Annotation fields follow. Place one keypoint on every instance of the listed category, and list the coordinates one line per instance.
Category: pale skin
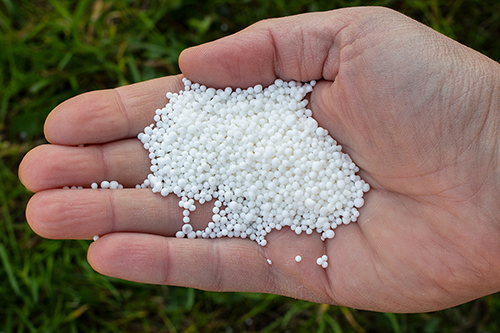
(417, 112)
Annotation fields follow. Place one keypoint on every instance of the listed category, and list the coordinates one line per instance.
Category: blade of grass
(76, 313)
(10, 7)
(268, 299)
(6, 177)
(297, 307)
(24, 320)
(394, 322)
(136, 75)
(333, 324)
(350, 318)
(7, 265)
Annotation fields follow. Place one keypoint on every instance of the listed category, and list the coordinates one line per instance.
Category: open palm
(415, 110)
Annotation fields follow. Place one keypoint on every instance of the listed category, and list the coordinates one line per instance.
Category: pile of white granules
(259, 155)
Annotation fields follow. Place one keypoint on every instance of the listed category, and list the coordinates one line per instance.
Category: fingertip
(129, 256)
(79, 120)
(23, 171)
(96, 254)
(37, 218)
(28, 171)
(65, 214)
(29, 214)
(49, 133)
(52, 129)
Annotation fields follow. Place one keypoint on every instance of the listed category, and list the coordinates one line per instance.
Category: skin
(415, 110)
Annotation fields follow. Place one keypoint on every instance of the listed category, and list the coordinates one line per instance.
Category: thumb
(303, 47)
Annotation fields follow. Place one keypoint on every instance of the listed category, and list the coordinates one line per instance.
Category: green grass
(52, 50)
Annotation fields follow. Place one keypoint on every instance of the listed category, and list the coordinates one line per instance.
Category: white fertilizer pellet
(258, 155)
(269, 261)
(112, 185)
(96, 237)
(298, 258)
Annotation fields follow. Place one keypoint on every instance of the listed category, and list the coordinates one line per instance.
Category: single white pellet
(309, 203)
(187, 228)
(96, 237)
(269, 261)
(329, 234)
(359, 202)
(298, 258)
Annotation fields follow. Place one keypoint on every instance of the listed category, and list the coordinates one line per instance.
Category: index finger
(109, 115)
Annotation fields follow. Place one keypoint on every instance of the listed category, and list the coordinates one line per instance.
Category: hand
(416, 111)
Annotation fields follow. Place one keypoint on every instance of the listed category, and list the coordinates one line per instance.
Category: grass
(52, 50)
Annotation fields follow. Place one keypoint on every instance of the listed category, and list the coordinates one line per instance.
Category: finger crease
(123, 109)
(165, 265)
(112, 210)
(271, 283)
(217, 276)
(276, 60)
(103, 162)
